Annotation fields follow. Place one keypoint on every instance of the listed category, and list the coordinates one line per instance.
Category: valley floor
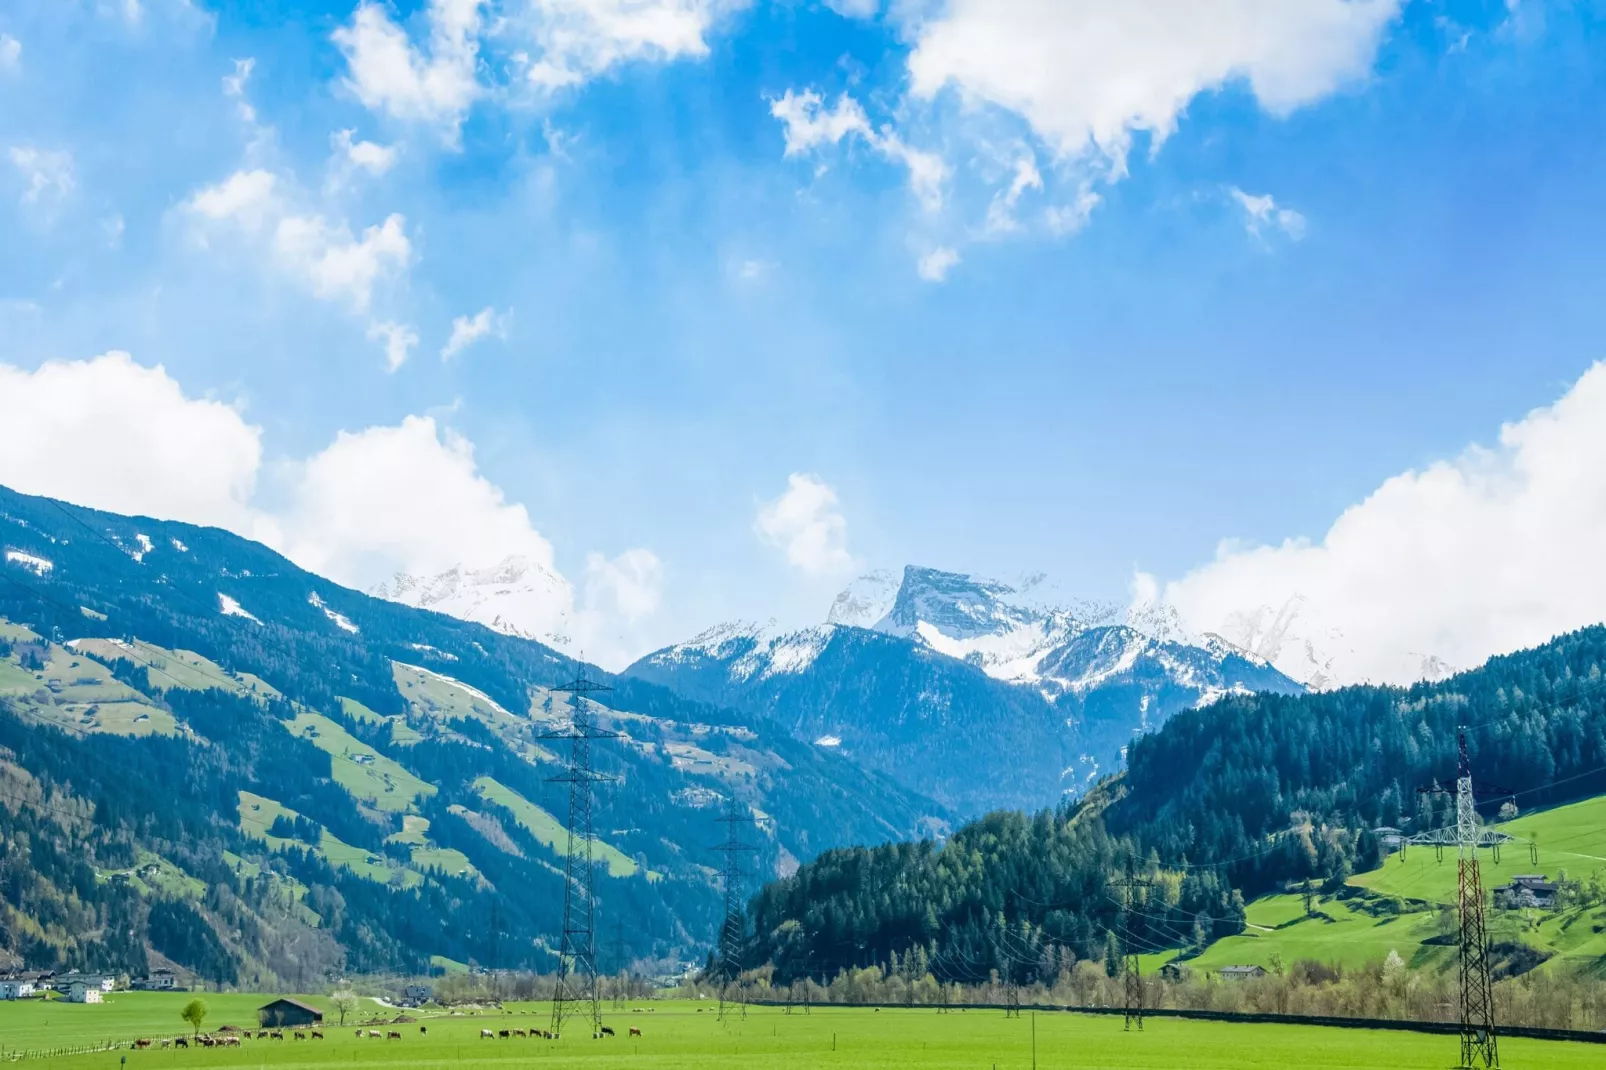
(682, 1035)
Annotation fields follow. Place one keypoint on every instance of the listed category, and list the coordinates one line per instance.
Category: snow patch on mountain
(230, 607)
(35, 564)
(145, 546)
(340, 620)
(865, 601)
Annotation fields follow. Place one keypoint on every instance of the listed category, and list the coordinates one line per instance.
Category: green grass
(79, 694)
(378, 780)
(179, 668)
(547, 829)
(445, 699)
(16, 633)
(426, 855)
(39, 1024)
(257, 814)
(676, 1036)
(1570, 839)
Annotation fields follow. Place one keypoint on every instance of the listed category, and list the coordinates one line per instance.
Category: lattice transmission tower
(1132, 974)
(732, 929)
(1480, 1049)
(576, 991)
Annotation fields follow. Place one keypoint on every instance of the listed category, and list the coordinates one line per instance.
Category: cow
(180, 1042)
(635, 1032)
(373, 1034)
(486, 1034)
(392, 1035)
(607, 1031)
(317, 1035)
(142, 1042)
(167, 1042)
(502, 1033)
(231, 1042)
(262, 1034)
(299, 1035)
(519, 1033)
(423, 1029)
(359, 1033)
(277, 1034)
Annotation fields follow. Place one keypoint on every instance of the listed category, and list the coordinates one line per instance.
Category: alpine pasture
(687, 1035)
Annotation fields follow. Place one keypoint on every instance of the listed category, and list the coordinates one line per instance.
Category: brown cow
(635, 1032)
(518, 1032)
(316, 1035)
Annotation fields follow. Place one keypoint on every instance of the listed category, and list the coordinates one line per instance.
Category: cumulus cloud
(111, 434)
(436, 85)
(807, 125)
(1262, 214)
(935, 265)
(466, 330)
(575, 40)
(1089, 74)
(47, 176)
(807, 524)
(323, 256)
(1495, 550)
(10, 52)
(356, 155)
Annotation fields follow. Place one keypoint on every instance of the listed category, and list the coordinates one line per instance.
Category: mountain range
(976, 691)
(213, 759)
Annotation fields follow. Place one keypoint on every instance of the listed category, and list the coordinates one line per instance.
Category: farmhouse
(289, 1012)
(89, 980)
(85, 992)
(1527, 890)
(155, 981)
(16, 988)
(1241, 973)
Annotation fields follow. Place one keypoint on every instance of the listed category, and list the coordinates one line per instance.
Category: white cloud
(466, 330)
(368, 156)
(807, 524)
(935, 265)
(855, 9)
(404, 498)
(1262, 212)
(1025, 176)
(629, 586)
(387, 73)
(111, 434)
(47, 176)
(1072, 217)
(575, 40)
(398, 339)
(338, 266)
(10, 52)
(1088, 74)
(1493, 551)
(809, 125)
(234, 86)
(246, 197)
(324, 257)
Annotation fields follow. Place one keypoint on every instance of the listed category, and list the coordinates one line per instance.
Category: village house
(1241, 973)
(155, 981)
(92, 980)
(1527, 890)
(85, 992)
(16, 988)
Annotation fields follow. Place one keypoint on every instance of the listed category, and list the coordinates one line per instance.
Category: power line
(577, 948)
(1132, 989)
(732, 928)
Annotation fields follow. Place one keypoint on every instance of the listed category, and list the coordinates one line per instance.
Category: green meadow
(681, 1035)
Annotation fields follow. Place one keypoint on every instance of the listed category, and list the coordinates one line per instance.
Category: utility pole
(1479, 1047)
(1132, 990)
(731, 930)
(576, 991)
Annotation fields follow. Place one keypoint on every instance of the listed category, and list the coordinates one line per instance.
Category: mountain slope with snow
(978, 691)
(517, 596)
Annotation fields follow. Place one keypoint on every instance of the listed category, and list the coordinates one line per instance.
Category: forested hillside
(1218, 805)
(211, 758)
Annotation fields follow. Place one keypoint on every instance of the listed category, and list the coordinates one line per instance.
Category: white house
(85, 992)
(16, 988)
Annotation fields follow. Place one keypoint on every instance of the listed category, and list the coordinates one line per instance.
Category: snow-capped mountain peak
(516, 596)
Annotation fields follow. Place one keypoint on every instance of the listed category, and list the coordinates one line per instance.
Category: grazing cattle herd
(227, 1037)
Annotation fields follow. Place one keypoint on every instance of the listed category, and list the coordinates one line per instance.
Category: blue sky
(1009, 286)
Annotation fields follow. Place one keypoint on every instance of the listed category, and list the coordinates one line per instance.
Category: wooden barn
(283, 1012)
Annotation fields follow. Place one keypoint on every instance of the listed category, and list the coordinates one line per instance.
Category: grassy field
(80, 695)
(257, 814)
(547, 829)
(357, 767)
(1571, 839)
(676, 1036)
(179, 668)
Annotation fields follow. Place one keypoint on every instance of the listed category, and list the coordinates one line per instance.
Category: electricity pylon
(1479, 1048)
(731, 930)
(1132, 989)
(577, 951)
